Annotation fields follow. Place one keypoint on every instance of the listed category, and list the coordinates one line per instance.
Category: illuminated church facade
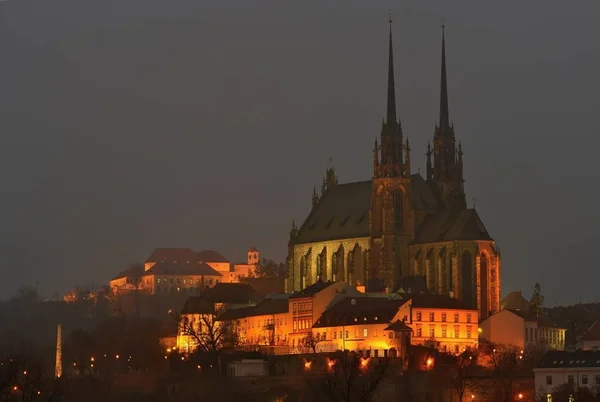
(376, 233)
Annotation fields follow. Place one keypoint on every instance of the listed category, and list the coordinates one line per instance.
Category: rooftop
(593, 332)
(437, 301)
(192, 268)
(312, 289)
(172, 255)
(359, 310)
(265, 307)
(210, 256)
(561, 359)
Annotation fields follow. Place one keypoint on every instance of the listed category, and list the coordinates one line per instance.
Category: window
(365, 332)
(375, 333)
(455, 317)
(469, 317)
(548, 380)
(431, 316)
(431, 331)
(295, 324)
(419, 332)
(334, 334)
(584, 379)
(456, 331)
(356, 333)
(294, 307)
(346, 334)
(443, 317)
(391, 335)
(571, 380)
(444, 332)
(418, 316)
(468, 332)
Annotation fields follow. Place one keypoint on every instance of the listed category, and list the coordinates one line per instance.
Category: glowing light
(168, 350)
(199, 367)
(92, 365)
(307, 365)
(429, 362)
(479, 330)
(330, 364)
(165, 357)
(25, 372)
(15, 388)
(92, 358)
(39, 392)
(117, 356)
(364, 362)
(472, 396)
(520, 396)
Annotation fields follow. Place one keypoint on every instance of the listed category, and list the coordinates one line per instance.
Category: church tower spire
(447, 163)
(391, 162)
(444, 113)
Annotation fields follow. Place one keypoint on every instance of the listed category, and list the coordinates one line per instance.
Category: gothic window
(483, 277)
(443, 274)
(398, 210)
(450, 272)
(377, 212)
(302, 272)
(466, 279)
(357, 257)
(431, 280)
(322, 265)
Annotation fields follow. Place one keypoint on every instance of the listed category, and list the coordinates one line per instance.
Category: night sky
(130, 125)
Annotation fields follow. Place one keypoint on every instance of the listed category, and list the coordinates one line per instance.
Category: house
(441, 322)
(519, 329)
(559, 368)
(308, 305)
(199, 316)
(368, 325)
(267, 323)
(591, 337)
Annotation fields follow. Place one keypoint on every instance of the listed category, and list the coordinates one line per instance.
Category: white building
(557, 368)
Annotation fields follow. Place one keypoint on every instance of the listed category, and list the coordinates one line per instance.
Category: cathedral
(376, 233)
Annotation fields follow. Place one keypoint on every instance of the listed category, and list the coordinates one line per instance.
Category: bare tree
(348, 377)
(209, 334)
(461, 372)
(312, 341)
(504, 362)
(23, 379)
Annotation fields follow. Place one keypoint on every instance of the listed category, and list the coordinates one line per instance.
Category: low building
(440, 322)
(367, 325)
(591, 337)
(571, 370)
(522, 330)
(199, 317)
(247, 368)
(246, 269)
(308, 305)
(268, 323)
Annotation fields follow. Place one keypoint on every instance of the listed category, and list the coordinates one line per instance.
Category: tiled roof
(359, 310)
(264, 286)
(312, 289)
(197, 305)
(210, 256)
(445, 226)
(561, 359)
(131, 272)
(437, 301)
(343, 210)
(182, 268)
(412, 285)
(398, 326)
(593, 332)
(235, 293)
(265, 307)
(172, 255)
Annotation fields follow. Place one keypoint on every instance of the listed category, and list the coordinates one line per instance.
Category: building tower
(58, 363)
(445, 174)
(391, 218)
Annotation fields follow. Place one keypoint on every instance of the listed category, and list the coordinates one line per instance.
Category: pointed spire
(444, 113)
(315, 197)
(376, 160)
(391, 100)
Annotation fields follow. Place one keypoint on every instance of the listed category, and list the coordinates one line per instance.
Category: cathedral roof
(445, 226)
(343, 211)
(172, 254)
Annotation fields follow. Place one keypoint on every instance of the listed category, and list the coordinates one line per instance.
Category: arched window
(431, 272)
(466, 279)
(398, 210)
(450, 271)
(302, 272)
(483, 278)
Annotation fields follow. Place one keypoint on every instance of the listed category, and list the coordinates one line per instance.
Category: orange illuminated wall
(448, 330)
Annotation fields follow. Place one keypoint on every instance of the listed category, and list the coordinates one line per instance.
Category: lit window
(444, 332)
(443, 317)
(469, 317)
(431, 331)
(419, 332)
(365, 333)
(455, 317)
(418, 316)
(431, 316)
